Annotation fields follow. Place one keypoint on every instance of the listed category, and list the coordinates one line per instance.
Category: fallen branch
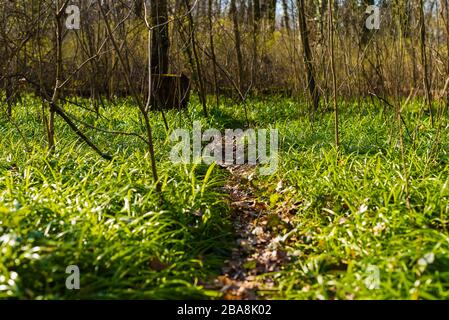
(73, 126)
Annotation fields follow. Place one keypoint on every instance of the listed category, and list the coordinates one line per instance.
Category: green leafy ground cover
(347, 210)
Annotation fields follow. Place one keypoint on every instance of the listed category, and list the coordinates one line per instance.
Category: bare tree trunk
(365, 32)
(271, 8)
(161, 42)
(427, 92)
(307, 55)
(238, 44)
(59, 11)
(140, 104)
(286, 17)
(88, 43)
(334, 78)
(446, 24)
(255, 34)
(322, 9)
(202, 92)
(212, 52)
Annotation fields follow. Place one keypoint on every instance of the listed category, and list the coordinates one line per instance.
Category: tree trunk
(161, 43)
(307, 55)
(286, 17)
(212, 51)
(238, 45)
(334, 78)
(365, 31)
(143, 110)
(59, 11)
(255, 34)
(426, 81)
(446, 24)
(202, 91)
(272, 15)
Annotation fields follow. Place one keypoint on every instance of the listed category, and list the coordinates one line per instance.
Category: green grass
(105, 217)
(348, 209)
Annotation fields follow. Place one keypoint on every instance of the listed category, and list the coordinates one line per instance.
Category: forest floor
(327, 224)
(257, 253)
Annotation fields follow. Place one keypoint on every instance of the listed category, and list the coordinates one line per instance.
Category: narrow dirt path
(246, 275)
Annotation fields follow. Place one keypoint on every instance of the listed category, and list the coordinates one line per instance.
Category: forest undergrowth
(318, 228)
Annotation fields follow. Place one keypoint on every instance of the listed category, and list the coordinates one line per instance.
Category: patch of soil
(257, 253)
